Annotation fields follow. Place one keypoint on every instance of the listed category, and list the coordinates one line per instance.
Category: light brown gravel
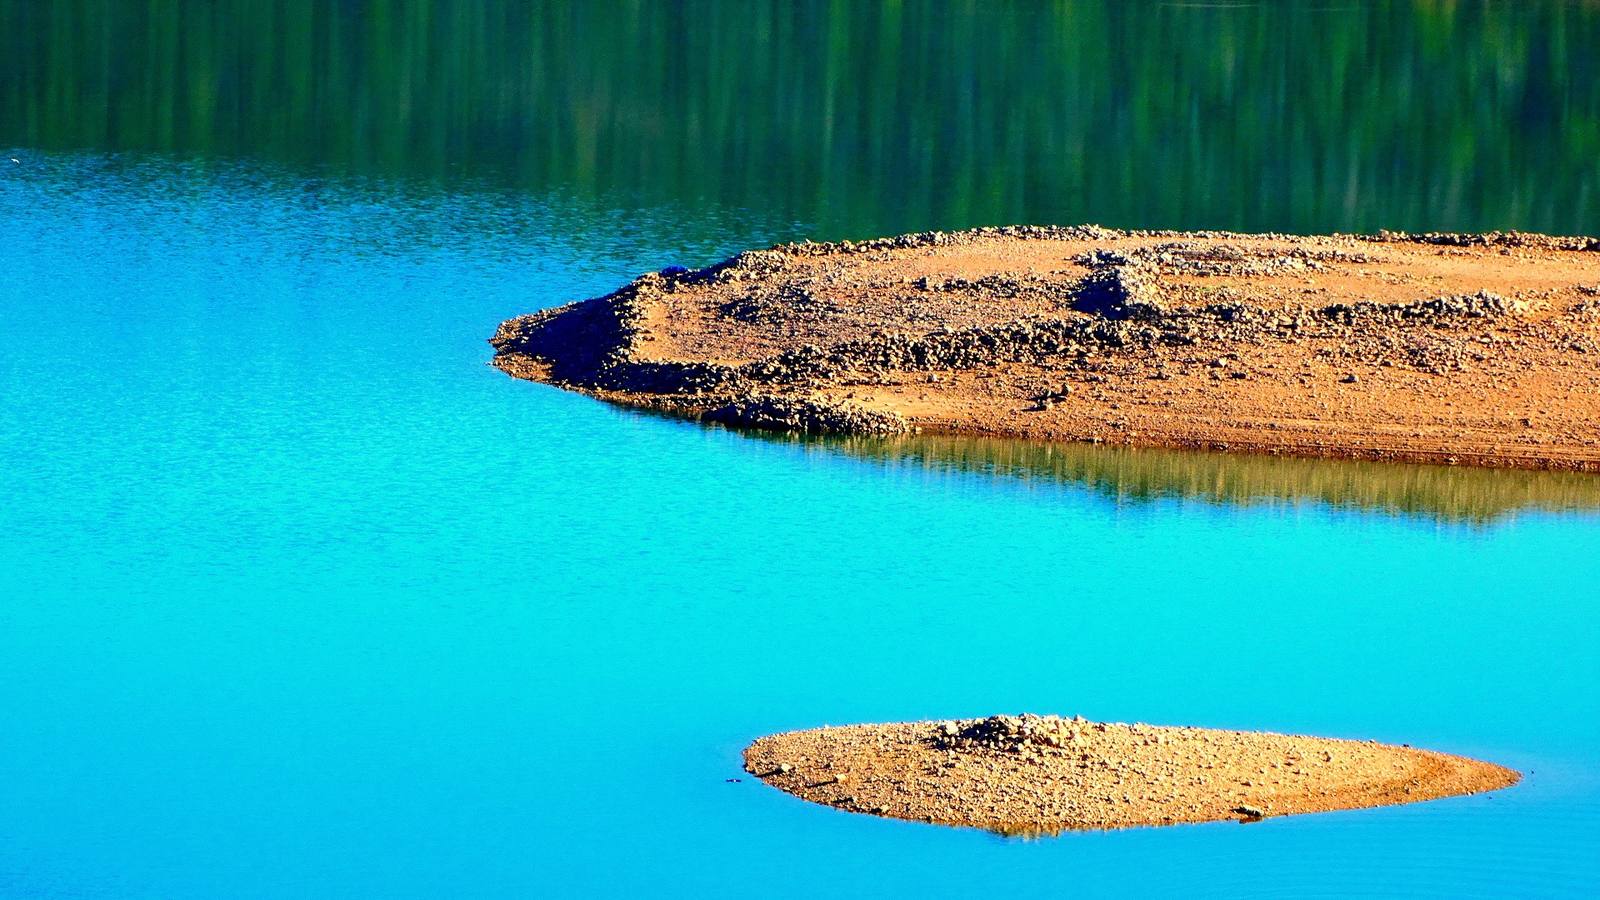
(1471, 349)
(1043, 774)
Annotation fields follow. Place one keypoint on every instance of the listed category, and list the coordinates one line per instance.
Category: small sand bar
(1044, 774)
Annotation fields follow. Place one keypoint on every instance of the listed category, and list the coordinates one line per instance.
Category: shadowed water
(865, 118)
(298, 597)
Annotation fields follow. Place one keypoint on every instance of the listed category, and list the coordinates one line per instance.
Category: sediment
(1046, 774)
(1458, 348)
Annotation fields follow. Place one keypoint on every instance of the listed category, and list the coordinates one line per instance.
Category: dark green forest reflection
(1443, 493)
(862, 117)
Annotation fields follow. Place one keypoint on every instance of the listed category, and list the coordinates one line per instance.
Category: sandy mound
(1480, 349)
(1042, 774)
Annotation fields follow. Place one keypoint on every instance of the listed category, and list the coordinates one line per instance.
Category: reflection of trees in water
(865, 118)
(1440, 492)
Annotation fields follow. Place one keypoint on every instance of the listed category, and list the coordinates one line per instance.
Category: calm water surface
(300, 598)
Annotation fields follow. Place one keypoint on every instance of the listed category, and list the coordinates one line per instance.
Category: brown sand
(1477, 349)
(1044, 774)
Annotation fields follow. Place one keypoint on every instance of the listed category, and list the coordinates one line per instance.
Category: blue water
(298, 597)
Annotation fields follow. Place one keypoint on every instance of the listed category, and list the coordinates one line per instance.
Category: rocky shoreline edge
(1416, 349)
(1036, 775)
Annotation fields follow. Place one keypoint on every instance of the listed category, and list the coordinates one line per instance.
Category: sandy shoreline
(1460, 349)
(1045, 774)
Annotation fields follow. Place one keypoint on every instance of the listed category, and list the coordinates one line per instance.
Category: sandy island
(1044, 774)
(1456, 348)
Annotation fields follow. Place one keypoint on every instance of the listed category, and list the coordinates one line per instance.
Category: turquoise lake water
(299, 598)
(302, 598)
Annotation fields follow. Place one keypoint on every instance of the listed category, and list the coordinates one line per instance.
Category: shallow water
(300, 598)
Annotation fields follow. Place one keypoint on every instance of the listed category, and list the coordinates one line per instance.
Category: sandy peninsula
(1044, 774)
(1479, 349)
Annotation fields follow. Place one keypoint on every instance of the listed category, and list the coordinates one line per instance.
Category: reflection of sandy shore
(1454, 493)
(1470, 349)
(1032, 774)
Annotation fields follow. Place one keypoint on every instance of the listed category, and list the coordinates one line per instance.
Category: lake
(298, 597)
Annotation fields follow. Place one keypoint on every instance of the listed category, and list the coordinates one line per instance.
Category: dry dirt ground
(1472, 349)
(1044, 774)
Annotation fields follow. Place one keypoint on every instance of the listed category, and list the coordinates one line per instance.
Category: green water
(864, 118)
(300, 598)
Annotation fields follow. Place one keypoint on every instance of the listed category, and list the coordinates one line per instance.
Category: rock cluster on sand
(1042, 774)
(1480, 349)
